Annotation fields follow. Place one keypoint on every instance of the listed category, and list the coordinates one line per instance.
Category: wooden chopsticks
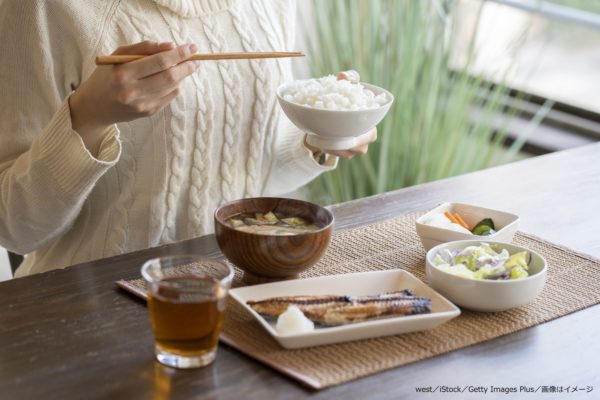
(120, 59)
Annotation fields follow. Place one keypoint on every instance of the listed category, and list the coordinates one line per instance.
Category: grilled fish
(339, 309)
(276, 305)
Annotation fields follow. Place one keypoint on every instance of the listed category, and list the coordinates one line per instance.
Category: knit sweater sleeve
(294, 164)
(46, 172)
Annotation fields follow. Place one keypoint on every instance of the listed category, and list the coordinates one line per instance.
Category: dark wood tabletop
(71, 334)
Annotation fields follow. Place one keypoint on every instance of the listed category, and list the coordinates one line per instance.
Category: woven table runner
(572, 285)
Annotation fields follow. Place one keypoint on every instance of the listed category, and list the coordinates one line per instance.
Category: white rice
(328, 93)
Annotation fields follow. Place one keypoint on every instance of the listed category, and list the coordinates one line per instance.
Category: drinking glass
(186, 303)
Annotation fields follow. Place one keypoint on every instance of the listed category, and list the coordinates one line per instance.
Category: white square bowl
(506, 225)
(357, 284)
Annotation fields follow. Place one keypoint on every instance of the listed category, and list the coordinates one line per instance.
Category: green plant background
(430, 133)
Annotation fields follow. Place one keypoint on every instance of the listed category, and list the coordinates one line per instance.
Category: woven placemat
(572, 285)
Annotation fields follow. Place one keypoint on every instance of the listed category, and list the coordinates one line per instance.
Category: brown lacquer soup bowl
(270, 257)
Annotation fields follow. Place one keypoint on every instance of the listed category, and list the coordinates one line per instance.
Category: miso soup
(271, 224)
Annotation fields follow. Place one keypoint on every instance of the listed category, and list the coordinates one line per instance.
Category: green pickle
(485, 227)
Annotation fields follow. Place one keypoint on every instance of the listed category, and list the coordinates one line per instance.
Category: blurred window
(547, 48)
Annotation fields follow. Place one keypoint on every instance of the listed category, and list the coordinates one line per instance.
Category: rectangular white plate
(363, 283)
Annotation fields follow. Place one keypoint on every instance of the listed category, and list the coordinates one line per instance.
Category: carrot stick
(461, 221)
(450, 217)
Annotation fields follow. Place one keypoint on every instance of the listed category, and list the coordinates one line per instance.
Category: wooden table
(70, 334)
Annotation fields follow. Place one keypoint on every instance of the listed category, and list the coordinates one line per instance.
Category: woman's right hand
(118, 93)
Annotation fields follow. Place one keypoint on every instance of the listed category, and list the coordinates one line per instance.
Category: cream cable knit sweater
(155, 180)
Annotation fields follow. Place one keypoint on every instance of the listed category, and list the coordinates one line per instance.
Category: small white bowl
(506, 224)
(482, 294)
(333, 129)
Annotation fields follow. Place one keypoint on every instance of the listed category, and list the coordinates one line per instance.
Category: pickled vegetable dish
(483, 262)
(271, 223)
(485, 227)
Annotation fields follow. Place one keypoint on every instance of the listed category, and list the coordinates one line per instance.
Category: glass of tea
(186, 302)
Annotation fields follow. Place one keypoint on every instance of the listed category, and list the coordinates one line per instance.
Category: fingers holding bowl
(360, 148)
(349, 75)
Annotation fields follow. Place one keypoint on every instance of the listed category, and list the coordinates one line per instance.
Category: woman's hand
(129, 91)
(362, 146)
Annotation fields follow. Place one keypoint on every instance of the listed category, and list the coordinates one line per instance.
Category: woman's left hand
(360, 149)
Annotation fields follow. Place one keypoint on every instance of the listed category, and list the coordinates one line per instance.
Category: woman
(101, 161)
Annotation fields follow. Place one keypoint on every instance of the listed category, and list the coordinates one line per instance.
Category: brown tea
(187, 315)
